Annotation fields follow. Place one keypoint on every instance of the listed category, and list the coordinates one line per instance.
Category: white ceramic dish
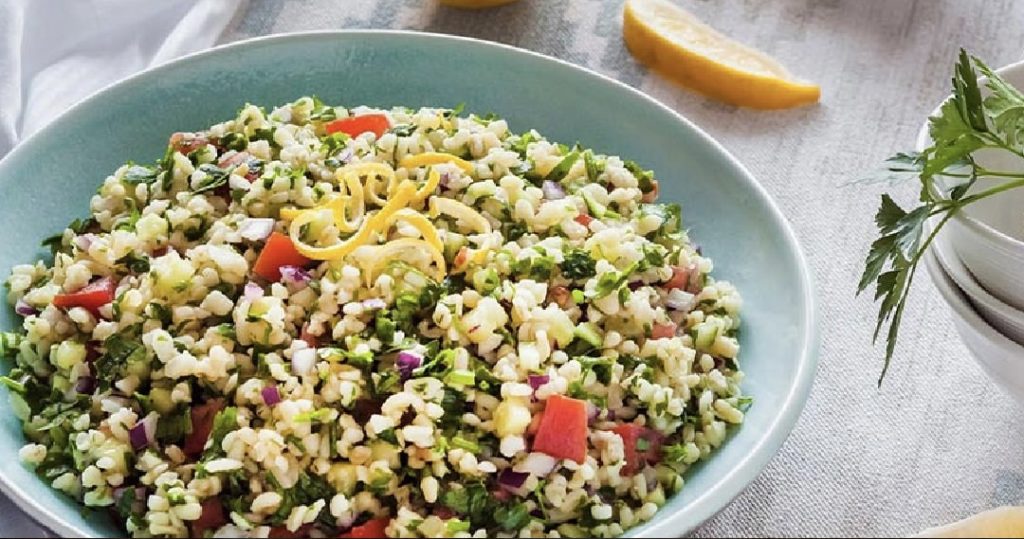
(1003, 317)
(1000, 358)
(988, 236)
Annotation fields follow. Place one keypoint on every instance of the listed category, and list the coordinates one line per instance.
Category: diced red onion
(538, 464)
(24, 309)
(511, 479)
(253, 291)
(256, 228)
(84, 241)
(271, 395)
(537, 380)
(679, 300)
(552, 191)
(445, 178)
(303, 361)
(592, 411)
(374, 303)
(344, 156)
(295, 275)
(85, 384)
(144, 432)
(406, 363)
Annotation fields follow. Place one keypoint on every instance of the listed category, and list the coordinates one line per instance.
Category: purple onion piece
(253, 291)
(295, 275)
(374, 303)
(84, 241)
(406, 363)
(445, 178)
(271, 395)
(344, 156)
(24, 309)
(552, 191)
(138, 436)
(512, 480)
(537, 380)
(85, 385)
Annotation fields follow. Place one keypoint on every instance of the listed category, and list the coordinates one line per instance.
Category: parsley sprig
(966, 124)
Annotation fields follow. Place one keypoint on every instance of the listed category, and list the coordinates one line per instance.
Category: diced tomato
(202, 424)
(369, 529)
(640, 444)
(563, 430)
(651, 196)
(584, 219)
(91, 297)
(353, 127)
(461, 258)
(443, 512)
(236, 158)
(187, 143)
(310, 339)
(279, 251)
(663, 331)
(281, 532)
(680, 278)
(211, 518)
(534, 426)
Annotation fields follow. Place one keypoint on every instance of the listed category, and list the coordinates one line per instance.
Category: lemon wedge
(475, 4)
(675, 43)
(1000, 522)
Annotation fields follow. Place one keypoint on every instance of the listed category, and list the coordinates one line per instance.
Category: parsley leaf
(965, 124)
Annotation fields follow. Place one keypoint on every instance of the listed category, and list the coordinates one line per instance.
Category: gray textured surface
(938, 441)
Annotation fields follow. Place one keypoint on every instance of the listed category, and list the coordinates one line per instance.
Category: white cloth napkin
(53, 53)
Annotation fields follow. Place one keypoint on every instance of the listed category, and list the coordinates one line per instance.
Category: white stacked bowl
(977, 264)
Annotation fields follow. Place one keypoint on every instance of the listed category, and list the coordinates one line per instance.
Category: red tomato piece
(91, 297)
(563, 430)
(461, 258)
(369, 529)
(187, 143)
(652, 195)
(355, 126)
(583, 219)
(279, 251)
(202, 424)
(640, 444)
(310, 339)
(663, 331)
(680, 278)
(211, 518)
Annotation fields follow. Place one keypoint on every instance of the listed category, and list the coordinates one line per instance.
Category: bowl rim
(960, 274)
(978, 227)
(706, 504)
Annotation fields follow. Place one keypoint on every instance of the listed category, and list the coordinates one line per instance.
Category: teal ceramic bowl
(47, 181)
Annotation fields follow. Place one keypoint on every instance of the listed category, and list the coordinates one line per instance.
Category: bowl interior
(48, 180)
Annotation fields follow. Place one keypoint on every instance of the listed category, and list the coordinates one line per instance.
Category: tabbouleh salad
(329, 322)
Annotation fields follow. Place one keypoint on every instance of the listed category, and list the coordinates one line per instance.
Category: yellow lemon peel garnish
(469, 217)
(435, 158)
(374, 223)
(340, 205)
